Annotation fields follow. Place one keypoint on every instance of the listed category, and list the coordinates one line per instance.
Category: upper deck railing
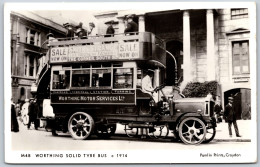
(104, 39)
(119, 47)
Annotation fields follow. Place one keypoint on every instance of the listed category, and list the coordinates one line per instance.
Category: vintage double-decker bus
(96, 83)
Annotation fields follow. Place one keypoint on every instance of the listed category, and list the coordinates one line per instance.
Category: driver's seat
(143, 102)
(141, 95)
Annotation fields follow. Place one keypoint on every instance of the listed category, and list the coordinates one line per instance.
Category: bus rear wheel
(80, 125)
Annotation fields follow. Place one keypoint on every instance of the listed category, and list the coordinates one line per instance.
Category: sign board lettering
(94, 97)
(80, 53)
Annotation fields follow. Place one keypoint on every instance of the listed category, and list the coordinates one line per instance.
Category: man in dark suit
(33, 111)
(230, 117)
(131, 25)
(110, 30)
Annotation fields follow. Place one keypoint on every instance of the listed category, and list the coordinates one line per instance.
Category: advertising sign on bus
(97, 52)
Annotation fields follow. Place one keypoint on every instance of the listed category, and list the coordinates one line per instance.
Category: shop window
(30, 65)
(239, 13)
(240, 57)
(123, 78)
(80, 78)
(139, 78)
(61, 79)
(101, 77)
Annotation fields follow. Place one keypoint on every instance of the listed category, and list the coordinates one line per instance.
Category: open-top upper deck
(120, 47)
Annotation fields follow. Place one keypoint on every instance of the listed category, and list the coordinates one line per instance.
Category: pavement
(244, 127)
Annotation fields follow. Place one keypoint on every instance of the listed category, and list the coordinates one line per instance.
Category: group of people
(79, 32)
(28, 113)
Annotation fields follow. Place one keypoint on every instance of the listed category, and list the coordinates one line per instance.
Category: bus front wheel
(80, 125)
(192, 131)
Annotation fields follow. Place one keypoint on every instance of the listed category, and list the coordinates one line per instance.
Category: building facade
(208, 44)
(28, 49)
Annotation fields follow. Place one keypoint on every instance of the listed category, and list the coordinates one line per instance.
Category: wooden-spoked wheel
(211, 132)
(131, 132)
(106, 130)
(161, 131)
(192, 131)
(80, 125)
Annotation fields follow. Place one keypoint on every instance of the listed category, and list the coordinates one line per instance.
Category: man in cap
(230, 117)
(110, 30)
(131, 26)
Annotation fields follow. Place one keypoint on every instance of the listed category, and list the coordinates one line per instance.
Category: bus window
(61, 79)
(80, 78)
(139, 78)
(123, 78)
(101, 77)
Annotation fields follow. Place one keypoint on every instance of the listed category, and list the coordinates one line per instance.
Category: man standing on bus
(110, 30)
(147, 86)
(70, 31)
(131, 25)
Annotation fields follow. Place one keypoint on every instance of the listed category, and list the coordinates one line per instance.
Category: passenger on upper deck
(147, 86)
(131, 25)
(50, 37)
(91, 31)
(110, 30)
(70, 31)
(80, 32)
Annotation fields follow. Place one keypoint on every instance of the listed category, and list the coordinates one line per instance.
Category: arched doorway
(242, 102)
(176, 48)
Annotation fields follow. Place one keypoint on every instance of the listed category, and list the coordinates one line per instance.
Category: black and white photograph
(121, 82)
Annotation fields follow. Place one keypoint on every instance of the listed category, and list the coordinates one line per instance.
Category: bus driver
(147, 86)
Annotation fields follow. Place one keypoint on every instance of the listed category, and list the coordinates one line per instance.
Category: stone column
(141, 20)
(211, 69)
(186, 47)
